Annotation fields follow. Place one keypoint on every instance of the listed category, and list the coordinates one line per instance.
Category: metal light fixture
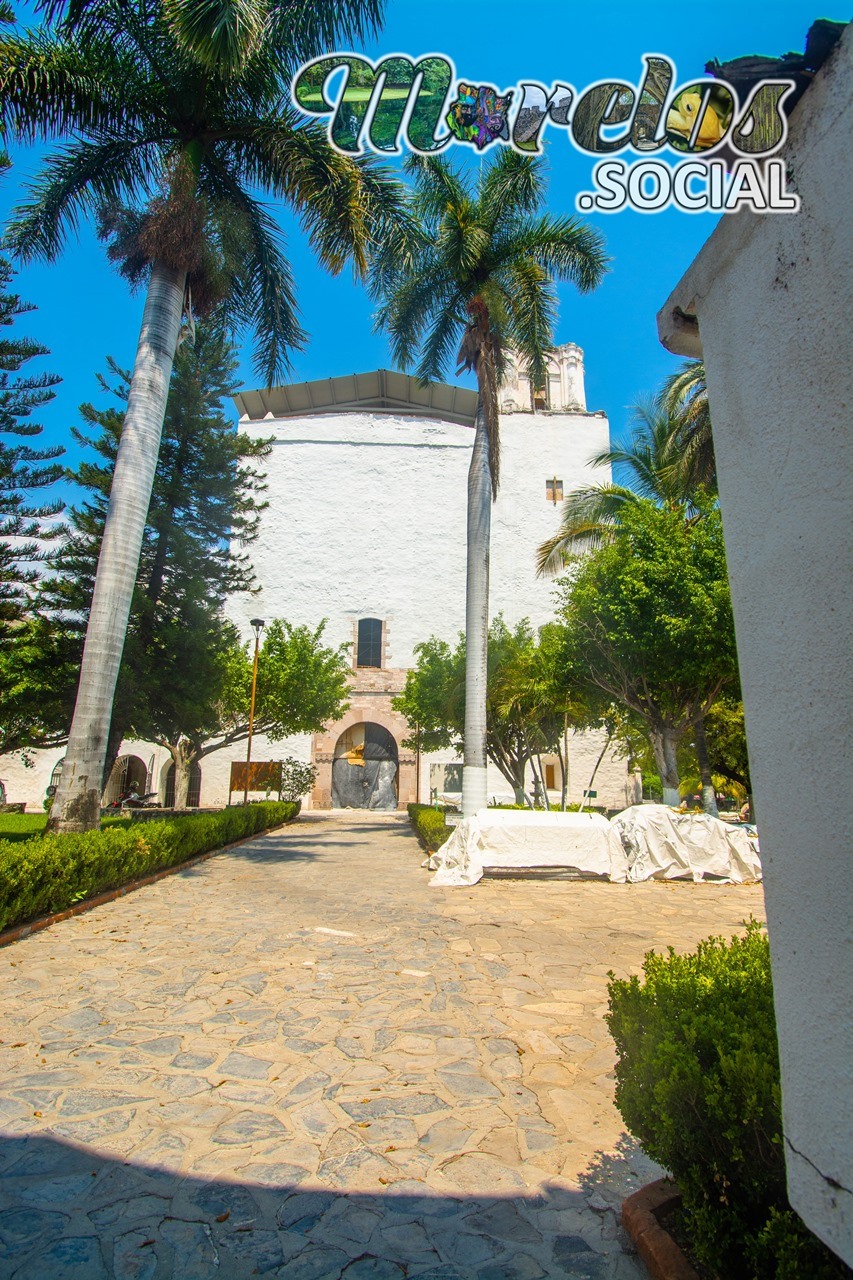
(258, 624)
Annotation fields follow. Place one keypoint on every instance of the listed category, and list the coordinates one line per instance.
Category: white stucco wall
(367, 519)
(773, 298)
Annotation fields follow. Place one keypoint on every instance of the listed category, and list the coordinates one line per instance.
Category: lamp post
(258, 624)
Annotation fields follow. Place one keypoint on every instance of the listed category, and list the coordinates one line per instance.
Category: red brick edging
(655, 1245)
(19, 931)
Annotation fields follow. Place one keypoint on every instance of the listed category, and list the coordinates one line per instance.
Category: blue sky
(85, 311)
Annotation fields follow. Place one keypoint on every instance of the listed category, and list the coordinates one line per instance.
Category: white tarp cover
(584, 844)
(662, 844)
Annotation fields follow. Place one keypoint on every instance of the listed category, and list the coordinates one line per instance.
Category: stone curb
(20, 931)
(653, 1242)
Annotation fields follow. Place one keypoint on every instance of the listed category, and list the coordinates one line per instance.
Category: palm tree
(684, 399)
(662, 473)
(591, 515)
(186, 143)
(479, 280)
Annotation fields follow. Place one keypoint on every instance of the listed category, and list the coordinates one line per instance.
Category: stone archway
(364, 768)
(128, 772)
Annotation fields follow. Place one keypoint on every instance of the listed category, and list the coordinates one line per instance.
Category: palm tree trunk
(76, 806)
(709, 798)
(474, 787)
(564, 766)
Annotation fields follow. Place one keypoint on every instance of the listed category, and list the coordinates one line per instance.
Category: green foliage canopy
(648, 618)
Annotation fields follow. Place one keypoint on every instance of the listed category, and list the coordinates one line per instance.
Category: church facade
(366, 528)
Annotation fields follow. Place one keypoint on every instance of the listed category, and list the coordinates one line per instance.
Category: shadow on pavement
(68, 1213)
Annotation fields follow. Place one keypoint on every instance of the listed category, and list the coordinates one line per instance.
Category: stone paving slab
(298, 1060)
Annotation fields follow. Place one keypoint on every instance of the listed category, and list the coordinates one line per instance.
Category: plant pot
(662, 1256)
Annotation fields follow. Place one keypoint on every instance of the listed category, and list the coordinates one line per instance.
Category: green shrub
(697, 1083)
(48, 873)
(429, 824)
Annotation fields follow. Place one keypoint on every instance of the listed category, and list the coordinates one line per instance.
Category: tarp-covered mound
(580, 844)
(661, 844)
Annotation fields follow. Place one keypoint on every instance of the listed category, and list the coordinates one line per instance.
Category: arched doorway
(364, 770)
(128, 772)
(194, 792)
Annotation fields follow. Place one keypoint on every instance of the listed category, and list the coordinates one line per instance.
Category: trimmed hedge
(697, 1083)
(429, 825)
(49, 873)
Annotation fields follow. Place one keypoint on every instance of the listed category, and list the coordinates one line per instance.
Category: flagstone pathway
(298, 1060)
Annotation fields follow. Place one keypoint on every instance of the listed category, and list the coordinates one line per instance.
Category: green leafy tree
(177, 117)
(726, 733)
(648, 620)
(476, 282)
(529, 702)
(663, 470)
(302, 685)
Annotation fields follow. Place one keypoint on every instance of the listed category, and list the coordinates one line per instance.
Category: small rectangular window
(554, 490)
(369, 652)
(549, 776)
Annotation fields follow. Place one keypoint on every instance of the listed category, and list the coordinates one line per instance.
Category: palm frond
(513, 185)
(407, 313)
(684, 399)
(262, 293)
(344, 203)
(50, 87)
(300, 31)
(437, 186)
(221, 35)
(589, 518)
(532, 303)
(565, 248)
(76, 181)
(442, 337)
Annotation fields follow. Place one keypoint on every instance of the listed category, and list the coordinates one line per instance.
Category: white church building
(367, 487)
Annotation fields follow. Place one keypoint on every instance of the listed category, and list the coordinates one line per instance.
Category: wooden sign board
(264, 775)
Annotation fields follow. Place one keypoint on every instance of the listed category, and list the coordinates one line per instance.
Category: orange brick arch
(370, 703)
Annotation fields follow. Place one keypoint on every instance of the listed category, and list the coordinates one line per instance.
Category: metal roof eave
(379, 391)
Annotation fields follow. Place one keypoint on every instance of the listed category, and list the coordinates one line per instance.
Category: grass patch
(42, 874)
(21, 826)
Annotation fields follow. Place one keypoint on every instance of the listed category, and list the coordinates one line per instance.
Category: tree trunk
(564, 766)
(664, 743)
(709, 799)
(545, 799)
(474, 787)
(184, 755)
(76, 806)
(114, 741)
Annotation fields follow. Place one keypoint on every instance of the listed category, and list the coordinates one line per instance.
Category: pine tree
(206, 501)
(26, 526)
(23, 468)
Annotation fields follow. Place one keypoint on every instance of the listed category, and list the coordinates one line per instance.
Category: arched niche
(364, 768)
